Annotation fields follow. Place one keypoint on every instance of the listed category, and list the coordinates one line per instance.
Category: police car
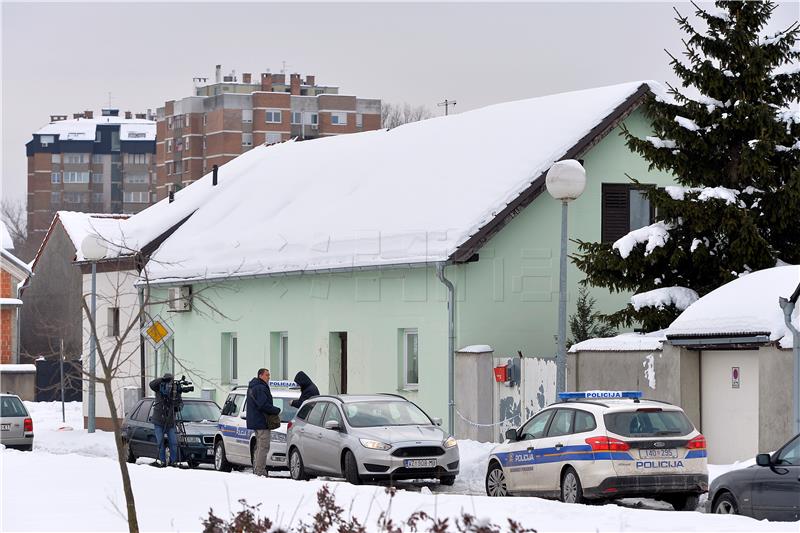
(602, 445)
(234, 444)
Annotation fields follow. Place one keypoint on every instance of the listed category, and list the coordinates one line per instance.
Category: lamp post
(565, 181)
(93, 249)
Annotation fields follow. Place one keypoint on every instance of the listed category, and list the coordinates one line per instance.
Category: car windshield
(11, 406)
(199, 411)
(287, 411)
(647, 423)
(388, 413)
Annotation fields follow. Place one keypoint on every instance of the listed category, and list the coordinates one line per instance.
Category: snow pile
(655, 235)
(687, 123)
(624, 342)
(649, 365)
(137, 131)
(729, 196)
(473, 464)
(661, 143)
(411, 194)
(748, 304)
(54, 436)
(79, 225)
(680, 297)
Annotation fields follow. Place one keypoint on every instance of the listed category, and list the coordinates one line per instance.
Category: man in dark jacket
(164, 408)
(259, 405)
(307, 389)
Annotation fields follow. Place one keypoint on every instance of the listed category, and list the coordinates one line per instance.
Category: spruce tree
(730, 137)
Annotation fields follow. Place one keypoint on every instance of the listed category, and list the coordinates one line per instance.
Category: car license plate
(5, 427)
(668, 453)
(419, 463)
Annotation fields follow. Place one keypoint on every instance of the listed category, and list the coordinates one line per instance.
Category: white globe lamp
(566, 180)
(93, 247)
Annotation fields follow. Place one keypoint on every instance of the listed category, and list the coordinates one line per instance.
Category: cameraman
(168, 401)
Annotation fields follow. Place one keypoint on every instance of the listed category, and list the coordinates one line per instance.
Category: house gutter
(451, 344)
(788, 306)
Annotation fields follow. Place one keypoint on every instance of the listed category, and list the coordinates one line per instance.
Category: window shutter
(615, 211)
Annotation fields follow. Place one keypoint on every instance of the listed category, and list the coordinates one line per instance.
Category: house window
(113, 322)
(115, 141)
(55, 197)
(247, 139)
(297, 117)
(97, 198)
(76, 177)
(284, 355)
(339, 119)
(97, 177)
(272, 138)
(247, 116)
(136, 197)
(75, 159)
(55, 158)
(410, 359)
(272, 116)
(169, 145)
(234, 357)
(97, 136)
(46, 140)
(136, 159)
(55, 177)
(97, 159)
(170, 123)
(624, 208)
(205, 119)
(135, 178)
(359, 120)
(72, 197)
(312, 118)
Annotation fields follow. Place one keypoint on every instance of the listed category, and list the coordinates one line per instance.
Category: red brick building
(228, 117)
(13, 273)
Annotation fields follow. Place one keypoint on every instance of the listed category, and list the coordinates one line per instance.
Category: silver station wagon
(369, 438)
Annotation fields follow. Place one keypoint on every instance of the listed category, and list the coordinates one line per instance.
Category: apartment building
(98, 165)
(228, 117)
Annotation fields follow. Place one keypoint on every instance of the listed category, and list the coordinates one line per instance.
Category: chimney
(77, 115)
(295, 84)
(128, 115)
(266, 82)
(218, 75)
(214, 176)
(310, 80)
(141, 116)
(88, 114)
(247, 78)
(57, 118)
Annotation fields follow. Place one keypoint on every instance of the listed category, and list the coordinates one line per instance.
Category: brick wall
(7, 320)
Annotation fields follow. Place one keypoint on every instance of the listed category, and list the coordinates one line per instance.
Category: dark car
(200, 420)
(770, 489)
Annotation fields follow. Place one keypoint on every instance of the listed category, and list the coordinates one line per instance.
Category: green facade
(507, 299)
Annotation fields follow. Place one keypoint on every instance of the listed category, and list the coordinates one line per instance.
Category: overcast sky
(66, 57)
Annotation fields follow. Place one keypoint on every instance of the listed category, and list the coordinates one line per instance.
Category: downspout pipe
(142, 369)
(788, 307)
(18, 345)
(451, 345)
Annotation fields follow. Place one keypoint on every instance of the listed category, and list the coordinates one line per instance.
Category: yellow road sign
(156, 332)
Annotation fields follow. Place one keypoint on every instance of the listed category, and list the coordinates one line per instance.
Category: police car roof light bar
(600, 395)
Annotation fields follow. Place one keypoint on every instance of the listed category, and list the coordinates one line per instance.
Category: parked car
(603, 445)
(199, 419)
(770, 489)
(234, 444)
(370, 438)
(16, 424)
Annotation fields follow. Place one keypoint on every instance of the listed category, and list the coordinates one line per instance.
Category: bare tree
(15, 217)
(393, 115)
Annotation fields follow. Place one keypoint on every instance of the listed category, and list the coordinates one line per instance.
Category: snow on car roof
(617, 404)
(411, 194)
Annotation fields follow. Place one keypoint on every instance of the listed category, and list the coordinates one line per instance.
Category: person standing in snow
(167, 402)
(259, 409)
(307, 389)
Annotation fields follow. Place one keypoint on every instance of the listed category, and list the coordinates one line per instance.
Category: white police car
(603, 445)
(234, 444)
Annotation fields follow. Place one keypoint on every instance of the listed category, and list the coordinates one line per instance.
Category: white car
(603, 445)
(234, 444)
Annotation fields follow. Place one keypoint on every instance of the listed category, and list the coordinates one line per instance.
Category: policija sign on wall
(735, 377)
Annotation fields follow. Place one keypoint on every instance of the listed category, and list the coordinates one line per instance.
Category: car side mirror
(437, 421)
(763, 459)
(511, 434)
(333, 425)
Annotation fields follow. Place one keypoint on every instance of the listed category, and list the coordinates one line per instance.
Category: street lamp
(565, 181)
(94, 249)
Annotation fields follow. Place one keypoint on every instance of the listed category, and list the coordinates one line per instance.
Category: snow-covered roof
(83, 129)
(21, 266)
(746, 305)
(15, 368)
(79, 225)
(412, 194)
(6, 242)
(476, 348)
(624, 342)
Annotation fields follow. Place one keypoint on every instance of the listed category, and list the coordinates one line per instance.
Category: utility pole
(446, 104)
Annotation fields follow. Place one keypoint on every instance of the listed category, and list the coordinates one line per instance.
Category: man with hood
(164, 407)
(307, 389)
(259, 405)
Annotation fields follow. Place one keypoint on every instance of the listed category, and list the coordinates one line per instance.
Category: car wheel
(725, 504)
(351, 468)
(221, 463)
(496, 481)
(448, 481)
(130, 457)
(684, 502)
(571, 490)
(296, 468)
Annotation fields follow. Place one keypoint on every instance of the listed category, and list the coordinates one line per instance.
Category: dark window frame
(615, 210)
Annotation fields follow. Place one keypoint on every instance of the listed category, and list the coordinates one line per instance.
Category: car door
(550, 452)
(134, 433)
(145, 433)
(312, 449)
(331, 441)
(240, 436)
(519, 462)
(776, 488)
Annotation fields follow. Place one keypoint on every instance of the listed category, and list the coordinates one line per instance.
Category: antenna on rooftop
(285, 64)
(446, 104)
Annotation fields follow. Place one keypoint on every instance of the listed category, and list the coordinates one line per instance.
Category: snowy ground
(71, 482)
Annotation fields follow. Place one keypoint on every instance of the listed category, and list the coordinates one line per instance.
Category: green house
(338, 256)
